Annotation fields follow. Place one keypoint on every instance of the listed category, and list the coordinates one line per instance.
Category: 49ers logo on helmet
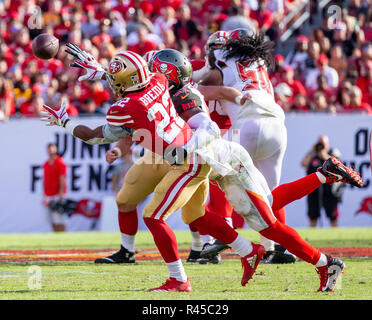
(115, 67)
(170, 70)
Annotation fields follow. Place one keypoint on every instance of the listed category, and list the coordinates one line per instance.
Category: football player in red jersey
(185, 97)
(247, 189)
(146, 112)
(244, 185)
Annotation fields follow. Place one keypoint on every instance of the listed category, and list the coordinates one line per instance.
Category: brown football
(45, 46)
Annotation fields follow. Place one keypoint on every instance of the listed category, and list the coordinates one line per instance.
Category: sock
(291, 240)
(267, 243)
(206, 238)
(323, 261)
(196, 241)
(127, 241)
(242, 246)
(177, 271)
(289, 192)
(128, 222)
(164, 238)
(215, 226)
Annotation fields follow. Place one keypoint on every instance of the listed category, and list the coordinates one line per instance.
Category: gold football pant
(184, 186)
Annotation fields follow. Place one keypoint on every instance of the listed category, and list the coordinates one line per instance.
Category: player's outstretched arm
(101, 135)
(224, 93)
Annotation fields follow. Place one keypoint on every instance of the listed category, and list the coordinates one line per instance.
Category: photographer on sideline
(327, 196)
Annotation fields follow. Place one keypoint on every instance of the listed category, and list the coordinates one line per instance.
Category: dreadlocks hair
(250, 47)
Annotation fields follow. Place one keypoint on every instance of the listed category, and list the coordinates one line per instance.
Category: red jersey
(52, 174)
(215, 110)
(151, 114)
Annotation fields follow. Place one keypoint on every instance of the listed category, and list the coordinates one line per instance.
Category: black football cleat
(122, 256)
(278, 257)
(211, 250)
(335, 171)
(194, 256)
(329, 274)
(215, 260)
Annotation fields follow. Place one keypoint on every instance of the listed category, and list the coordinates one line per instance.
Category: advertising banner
(23, 145)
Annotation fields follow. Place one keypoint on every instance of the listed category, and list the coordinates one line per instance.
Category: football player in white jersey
(242, 63)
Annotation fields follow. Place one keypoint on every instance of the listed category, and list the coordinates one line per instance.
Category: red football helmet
(216, 40)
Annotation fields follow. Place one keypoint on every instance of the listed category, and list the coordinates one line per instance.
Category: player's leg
(271, 170)
(252, 203)
(198, 238)
(139, 182)
(175, 191)
(271, 147)
(289, 192)
(223, 157)
(216, 204)
(196, 245)
(265, 139)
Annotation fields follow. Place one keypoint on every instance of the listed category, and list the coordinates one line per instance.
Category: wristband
(238, 99)
(118, 151)
(70, 126)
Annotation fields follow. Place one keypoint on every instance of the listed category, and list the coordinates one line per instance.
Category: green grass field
(84, 280)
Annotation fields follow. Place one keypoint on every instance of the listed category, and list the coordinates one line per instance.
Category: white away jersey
(248, 77)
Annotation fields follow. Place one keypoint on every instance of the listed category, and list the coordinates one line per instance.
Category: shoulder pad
(118, 115)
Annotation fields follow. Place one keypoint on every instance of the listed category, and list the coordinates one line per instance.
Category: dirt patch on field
(17, 256)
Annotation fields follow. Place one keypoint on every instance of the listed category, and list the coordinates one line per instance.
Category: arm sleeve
(114, 133)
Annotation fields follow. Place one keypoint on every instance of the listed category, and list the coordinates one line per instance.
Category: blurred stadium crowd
(329, 70)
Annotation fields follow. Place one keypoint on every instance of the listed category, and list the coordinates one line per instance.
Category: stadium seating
(339, 48)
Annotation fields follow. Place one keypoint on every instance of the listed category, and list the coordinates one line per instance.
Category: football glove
(83, 59)
(55, 117)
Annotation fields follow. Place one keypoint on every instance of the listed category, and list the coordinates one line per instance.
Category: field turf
(84, 280)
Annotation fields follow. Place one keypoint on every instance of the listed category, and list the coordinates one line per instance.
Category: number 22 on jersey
(168, 124)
